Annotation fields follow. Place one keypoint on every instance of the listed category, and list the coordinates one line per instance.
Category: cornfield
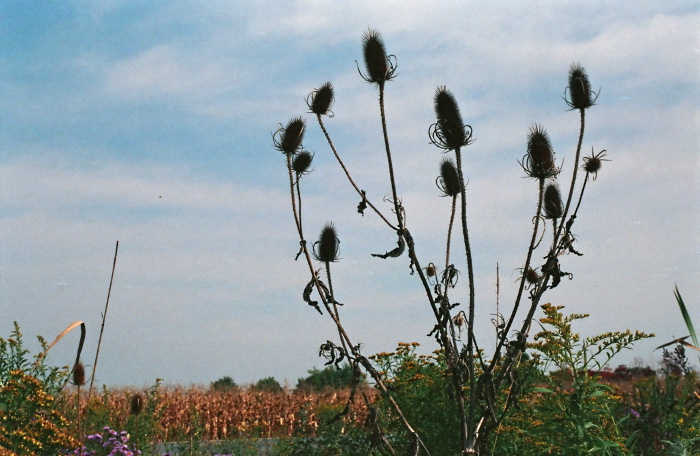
(177, 413)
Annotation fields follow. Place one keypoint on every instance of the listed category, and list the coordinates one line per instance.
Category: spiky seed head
(592, 164)
(431, 270)
(79, 374)
(321, 99)
(449, 120)
(136, 404)
(553, 207)
(449, 177)
(540, 155)
(376, 60)
(292, 136)
(580, 94)
(531, 276)
(302, 162)
(326, 248)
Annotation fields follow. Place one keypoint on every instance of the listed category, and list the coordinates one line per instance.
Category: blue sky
(150, 123)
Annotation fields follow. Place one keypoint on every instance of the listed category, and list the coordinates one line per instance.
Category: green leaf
(686, 316)
(542, 390)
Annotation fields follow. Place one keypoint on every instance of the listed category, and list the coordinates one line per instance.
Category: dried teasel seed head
(431, 270)
(79, 374)
(321, 99)
(291, 136)
(136, 404)
(552, 207)
(539, 162)
(448, 181)
(301, 163)
(326, 248)
(593, 163)
(449, 133)
(376, 60)
(580, 94)
(531, 276)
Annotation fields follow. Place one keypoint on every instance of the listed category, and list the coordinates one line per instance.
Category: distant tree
(268, 385)
(223, 384)
(330, 377)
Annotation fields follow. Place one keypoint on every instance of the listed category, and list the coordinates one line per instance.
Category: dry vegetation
(181, 412)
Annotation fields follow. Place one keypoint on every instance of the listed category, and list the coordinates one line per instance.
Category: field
(178, 413)
(197, 416)
(623, 411)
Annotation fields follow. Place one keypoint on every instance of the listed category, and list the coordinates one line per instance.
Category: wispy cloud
(151, 124)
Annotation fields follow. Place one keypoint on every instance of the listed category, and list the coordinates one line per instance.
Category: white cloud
(209, 263)
(166, 71)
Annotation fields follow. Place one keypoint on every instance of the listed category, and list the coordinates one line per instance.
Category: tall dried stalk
(102, 328)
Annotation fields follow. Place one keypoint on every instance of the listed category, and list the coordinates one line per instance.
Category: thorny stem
(297, 218)
(347, 173)
(335, 307)
(521, 288)
(456, 377)
(547, 273)
(397, 206)
(344, 337)
(451, 353)
(407, 235)
(346, 341)
(470, 319)
(330, 288)
(580, 197)
(301, 234)
(573, 177)
(449, 237)
(554, 230)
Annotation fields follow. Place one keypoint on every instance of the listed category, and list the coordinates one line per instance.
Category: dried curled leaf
(307, 295)
(363, 204)
(333, 353)
(397, 252)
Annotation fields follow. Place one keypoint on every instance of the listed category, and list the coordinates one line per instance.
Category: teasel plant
(78, 380)
(485, 388)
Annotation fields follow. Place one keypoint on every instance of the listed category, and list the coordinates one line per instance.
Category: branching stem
(347, 173)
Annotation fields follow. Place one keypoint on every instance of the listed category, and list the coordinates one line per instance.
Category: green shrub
(570, 413)
(663, 415)
(30, 422)
(268, 385)
(421, 387)
(223, 384)
(330, 377)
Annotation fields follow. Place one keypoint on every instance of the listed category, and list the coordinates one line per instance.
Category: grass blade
(686, 316)
(60, 336)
